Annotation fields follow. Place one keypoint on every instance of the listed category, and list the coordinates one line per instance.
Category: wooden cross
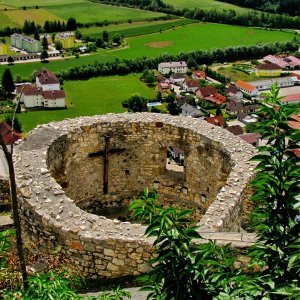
(105, 154)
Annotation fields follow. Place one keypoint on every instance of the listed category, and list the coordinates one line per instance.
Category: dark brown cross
(105, 154)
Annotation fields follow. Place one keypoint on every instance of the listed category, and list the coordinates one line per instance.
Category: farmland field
(93, 12)
(6, 21)
(199, 36)
(94, 96)
(205, 4)
(136, 28)
(27, 3)
(37, 15)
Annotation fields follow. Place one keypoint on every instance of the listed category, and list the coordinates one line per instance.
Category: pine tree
(45, 43)
(7, 82)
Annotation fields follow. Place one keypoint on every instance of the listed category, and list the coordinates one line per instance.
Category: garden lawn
(199, 36)
(28, 3)
(136, 28)
(99, 95)
(93, 12)
(26, 69)
(39, 16)
(205, 4)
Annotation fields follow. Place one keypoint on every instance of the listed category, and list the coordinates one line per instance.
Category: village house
(6, 132)
(281, 82)
(285, 63)
(190, 85)
(211, 94)
(216, 120)
(268, 69)
(26, 43)
(67, 39)
(176, 153)
(172, 66)
(177, 78)
(46, 93)
(188, 110)
(48, 38)
(246, 119)
(247, 88)
(291, 99)
(234, 93)
(199, 75)
(181, 99)
(234, 108)
(251, 138)
(3, 49)
(235, 129)
(164, 87)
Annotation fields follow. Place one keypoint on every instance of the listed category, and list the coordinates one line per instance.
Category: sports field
(90, 97)
(204, 4)
(198, 36)
(93, 12)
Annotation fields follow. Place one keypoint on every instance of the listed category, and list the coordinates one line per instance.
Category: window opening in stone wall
(175, 161)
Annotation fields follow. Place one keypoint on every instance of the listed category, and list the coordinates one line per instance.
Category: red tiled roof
(29, 90)
(250, 138)
(52, 95)
(268, 66)
(191, 83)
(217, 120)
(235, 129)
(245, 85)
(6, 132)
(216, 98)
(206, 91)
(199, 74)
(46, 77)
(232, 89)
(291, 98)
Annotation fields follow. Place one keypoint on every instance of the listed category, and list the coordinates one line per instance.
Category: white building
(172, 66)
(47, 80)
(262, 85)
(46, 93)
(247, 88)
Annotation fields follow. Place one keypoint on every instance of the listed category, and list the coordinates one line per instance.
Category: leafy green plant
(5, 244)
(276, 218)
(183, 268)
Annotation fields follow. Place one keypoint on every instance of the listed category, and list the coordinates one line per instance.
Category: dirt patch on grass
(251, 32)
(162, 44)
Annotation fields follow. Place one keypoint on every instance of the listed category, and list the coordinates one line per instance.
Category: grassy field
(199, 36)
(204, 4)
(37, 15)
(93, 12)
(136, 28)
(5, 20)
(236, 74)
(25, 69)
(94, 96)
(28, 3)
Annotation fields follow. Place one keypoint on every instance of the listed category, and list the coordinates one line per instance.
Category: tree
(100, 42)
(10, 60)
(45, 43)
(78, 34)
(105, 36)
(71, 24)
(117, 38)
(7, 82)
(159, 97)
(58, 45)
(173, 109)
(36, 35)
(136, 103)
(44, 55)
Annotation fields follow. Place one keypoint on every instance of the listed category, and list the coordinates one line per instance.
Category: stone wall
(4, 194)
(56, 176)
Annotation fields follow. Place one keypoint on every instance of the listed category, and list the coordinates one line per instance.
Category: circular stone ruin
(66, 169)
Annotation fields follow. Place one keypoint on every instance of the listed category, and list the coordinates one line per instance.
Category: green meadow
(90, 97)
(26, 69)
(136, 28)
(204, 4)
(93, 12)
(199, 36)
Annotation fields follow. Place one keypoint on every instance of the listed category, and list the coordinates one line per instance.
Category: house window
(175, 162)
